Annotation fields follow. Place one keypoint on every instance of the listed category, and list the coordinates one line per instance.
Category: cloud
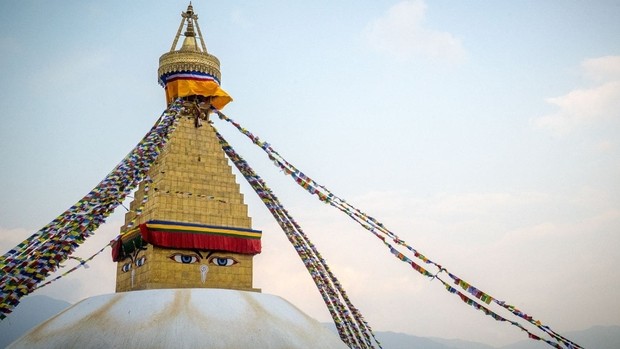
(401, 33)
(605, 68)
(587, 107)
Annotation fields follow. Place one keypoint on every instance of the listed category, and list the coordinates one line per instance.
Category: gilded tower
(187, 226)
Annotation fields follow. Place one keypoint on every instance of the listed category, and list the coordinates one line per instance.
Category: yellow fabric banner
(183, 88)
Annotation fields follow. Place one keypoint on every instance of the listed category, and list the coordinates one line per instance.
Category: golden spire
(190, 57)
(194, 230)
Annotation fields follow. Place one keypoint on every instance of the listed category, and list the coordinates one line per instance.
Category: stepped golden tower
(187, 226)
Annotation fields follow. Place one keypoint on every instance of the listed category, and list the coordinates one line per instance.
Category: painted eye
(140, 261)
(126, 267)
(223, 262)
(184, 258)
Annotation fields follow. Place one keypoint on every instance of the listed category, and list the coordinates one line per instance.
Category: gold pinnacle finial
(190, 30)
(190, 17)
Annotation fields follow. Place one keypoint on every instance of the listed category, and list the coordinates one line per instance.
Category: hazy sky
(485, 134)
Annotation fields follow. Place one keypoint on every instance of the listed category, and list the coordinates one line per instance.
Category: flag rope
(352, 328)
(377, 228)
(30, 262)
(138, 212)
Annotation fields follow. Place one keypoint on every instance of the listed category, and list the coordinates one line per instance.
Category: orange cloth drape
(185, 87)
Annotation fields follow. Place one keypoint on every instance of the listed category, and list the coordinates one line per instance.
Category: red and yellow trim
(202, 237)
(190, 236)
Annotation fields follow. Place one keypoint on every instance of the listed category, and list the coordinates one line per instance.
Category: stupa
(184, 258)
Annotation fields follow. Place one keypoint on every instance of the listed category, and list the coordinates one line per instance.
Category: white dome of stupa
(181, 318)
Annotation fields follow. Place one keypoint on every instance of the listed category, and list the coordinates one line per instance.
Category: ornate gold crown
(190, 57)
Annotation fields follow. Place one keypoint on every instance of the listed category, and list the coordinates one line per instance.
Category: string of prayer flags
(31, 261)
(376, 227)
(323, 193)
(352, 328)
(497, 317)
(76, 267)
(488, 299)
(311, 259)
(138, 212)
(471, 289)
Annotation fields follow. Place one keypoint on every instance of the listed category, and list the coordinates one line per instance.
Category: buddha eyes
(140, 261)
(184, 258)
(222, 261)
(194, 258)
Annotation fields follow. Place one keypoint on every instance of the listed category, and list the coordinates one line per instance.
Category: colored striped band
(203, 229)
(187, 75)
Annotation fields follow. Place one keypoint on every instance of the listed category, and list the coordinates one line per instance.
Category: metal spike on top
(189, 19)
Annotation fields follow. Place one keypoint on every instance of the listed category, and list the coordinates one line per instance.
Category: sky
(484, 134)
